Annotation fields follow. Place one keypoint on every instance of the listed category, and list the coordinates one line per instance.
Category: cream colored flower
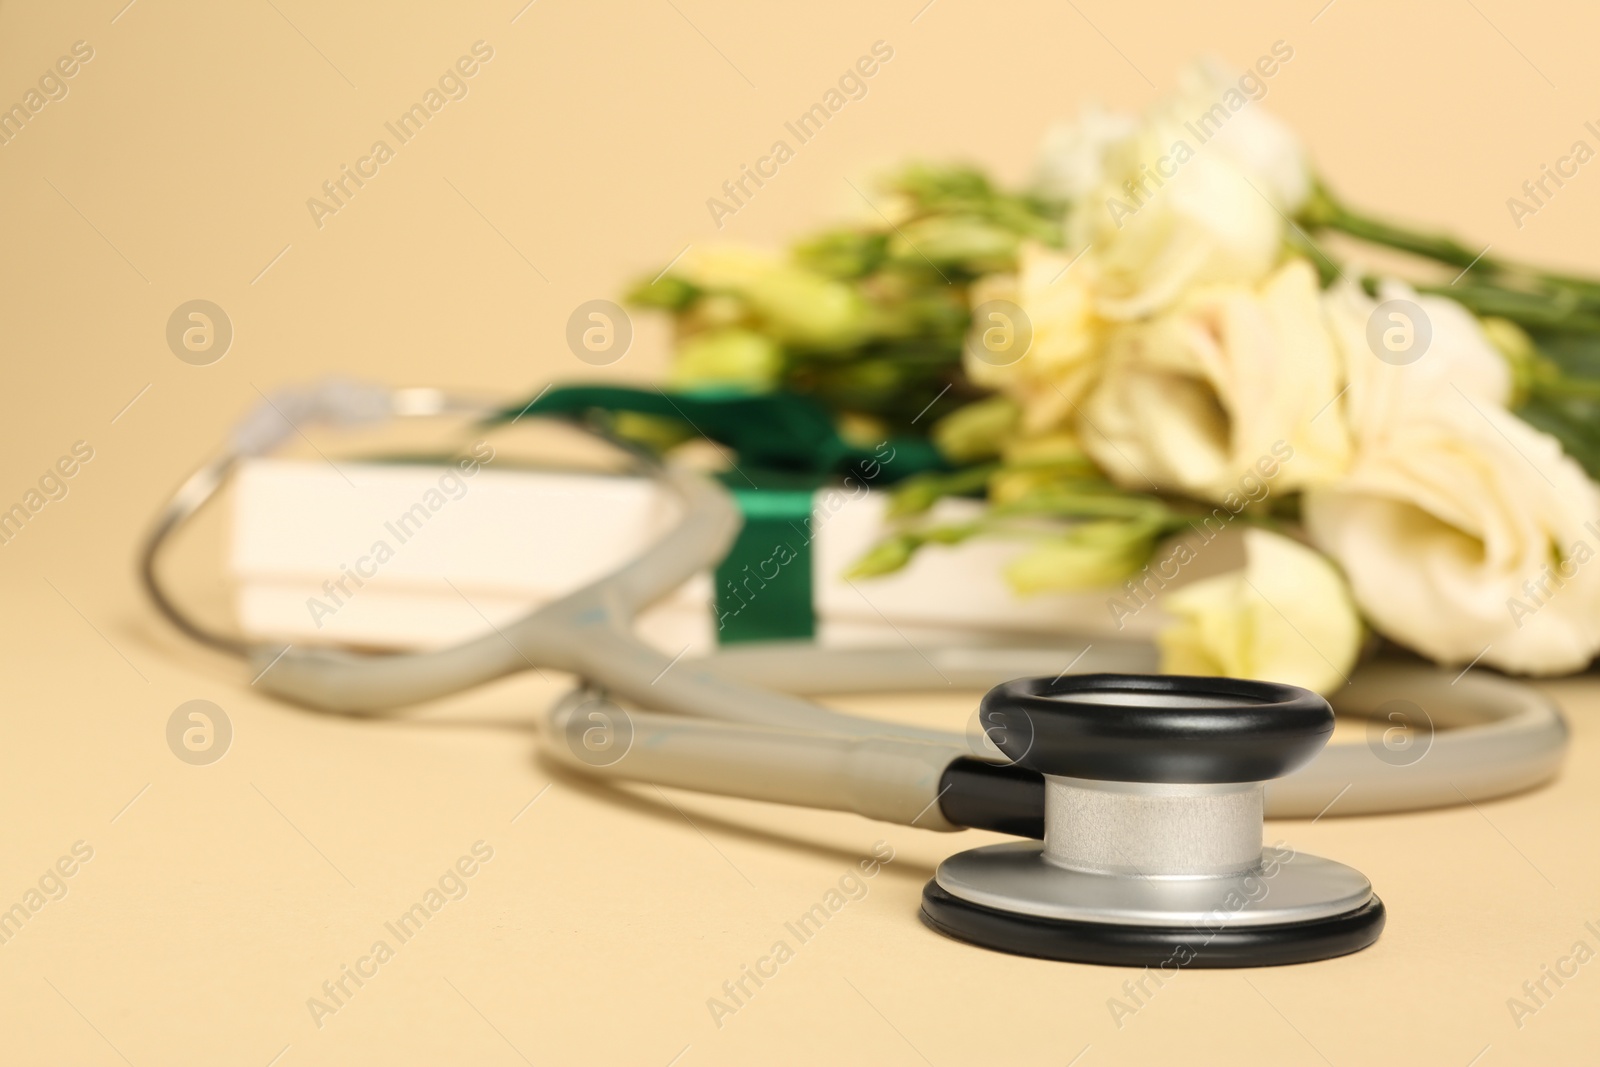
(1072, 160)
(1256, 142)
(1466, 533)
(1287, 617)
(1195, 192)
(1401, 350)
(1047, 359)
(1194, 400)
(1212, 228)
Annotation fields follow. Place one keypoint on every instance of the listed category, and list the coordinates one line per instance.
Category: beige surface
(219, 898)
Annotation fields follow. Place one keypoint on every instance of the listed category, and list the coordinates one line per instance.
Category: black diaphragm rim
(1168, 948)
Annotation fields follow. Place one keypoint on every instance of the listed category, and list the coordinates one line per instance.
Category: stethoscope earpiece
(1152, 851)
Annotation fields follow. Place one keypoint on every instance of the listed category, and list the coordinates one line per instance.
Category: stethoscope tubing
(741, 723)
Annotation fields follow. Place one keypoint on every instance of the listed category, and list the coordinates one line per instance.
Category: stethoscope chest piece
(1152, 851)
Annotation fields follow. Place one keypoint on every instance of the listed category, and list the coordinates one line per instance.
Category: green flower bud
(941, 186)
(653, 431)
(713, 311)
(964, 241)
(728, 357)
(1518, 349)
(1053, 449)
(885, 557)
(978, 431)
(843, 253)
(1091, 555)
(893, 553)
(805, 308)
(668, 293)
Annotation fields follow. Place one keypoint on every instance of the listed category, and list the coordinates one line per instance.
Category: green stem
(1549, 381)
(1325, 212)
(1431, 246)
(1561, 310)
(1106, 506)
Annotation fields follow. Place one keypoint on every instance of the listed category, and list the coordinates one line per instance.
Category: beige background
(220, 898)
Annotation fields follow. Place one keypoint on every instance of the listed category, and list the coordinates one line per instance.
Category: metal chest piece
(1153, 852)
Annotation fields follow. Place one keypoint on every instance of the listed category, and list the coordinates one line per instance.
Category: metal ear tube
(1152, 851)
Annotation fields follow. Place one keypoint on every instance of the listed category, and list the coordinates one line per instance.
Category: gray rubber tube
(1494, 736)
(892, 779)
(1484, 737)
(1470, 737)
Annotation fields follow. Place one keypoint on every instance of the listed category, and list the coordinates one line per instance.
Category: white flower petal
(1466, 532)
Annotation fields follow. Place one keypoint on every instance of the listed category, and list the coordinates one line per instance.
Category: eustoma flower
(1116, 354)
(1197, 191)
(1191, 400)
(1465, 533)
(1056, 298)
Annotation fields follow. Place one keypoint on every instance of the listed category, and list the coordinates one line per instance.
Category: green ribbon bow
(785, 447)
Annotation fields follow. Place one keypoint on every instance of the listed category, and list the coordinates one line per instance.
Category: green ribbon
(763, 585)
(785, 447)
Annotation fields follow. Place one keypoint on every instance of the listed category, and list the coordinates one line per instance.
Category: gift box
(396, 555)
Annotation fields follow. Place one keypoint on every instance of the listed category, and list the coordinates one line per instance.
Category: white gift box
(413, 556)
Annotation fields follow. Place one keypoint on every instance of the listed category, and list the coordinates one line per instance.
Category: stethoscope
(1137, 798)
